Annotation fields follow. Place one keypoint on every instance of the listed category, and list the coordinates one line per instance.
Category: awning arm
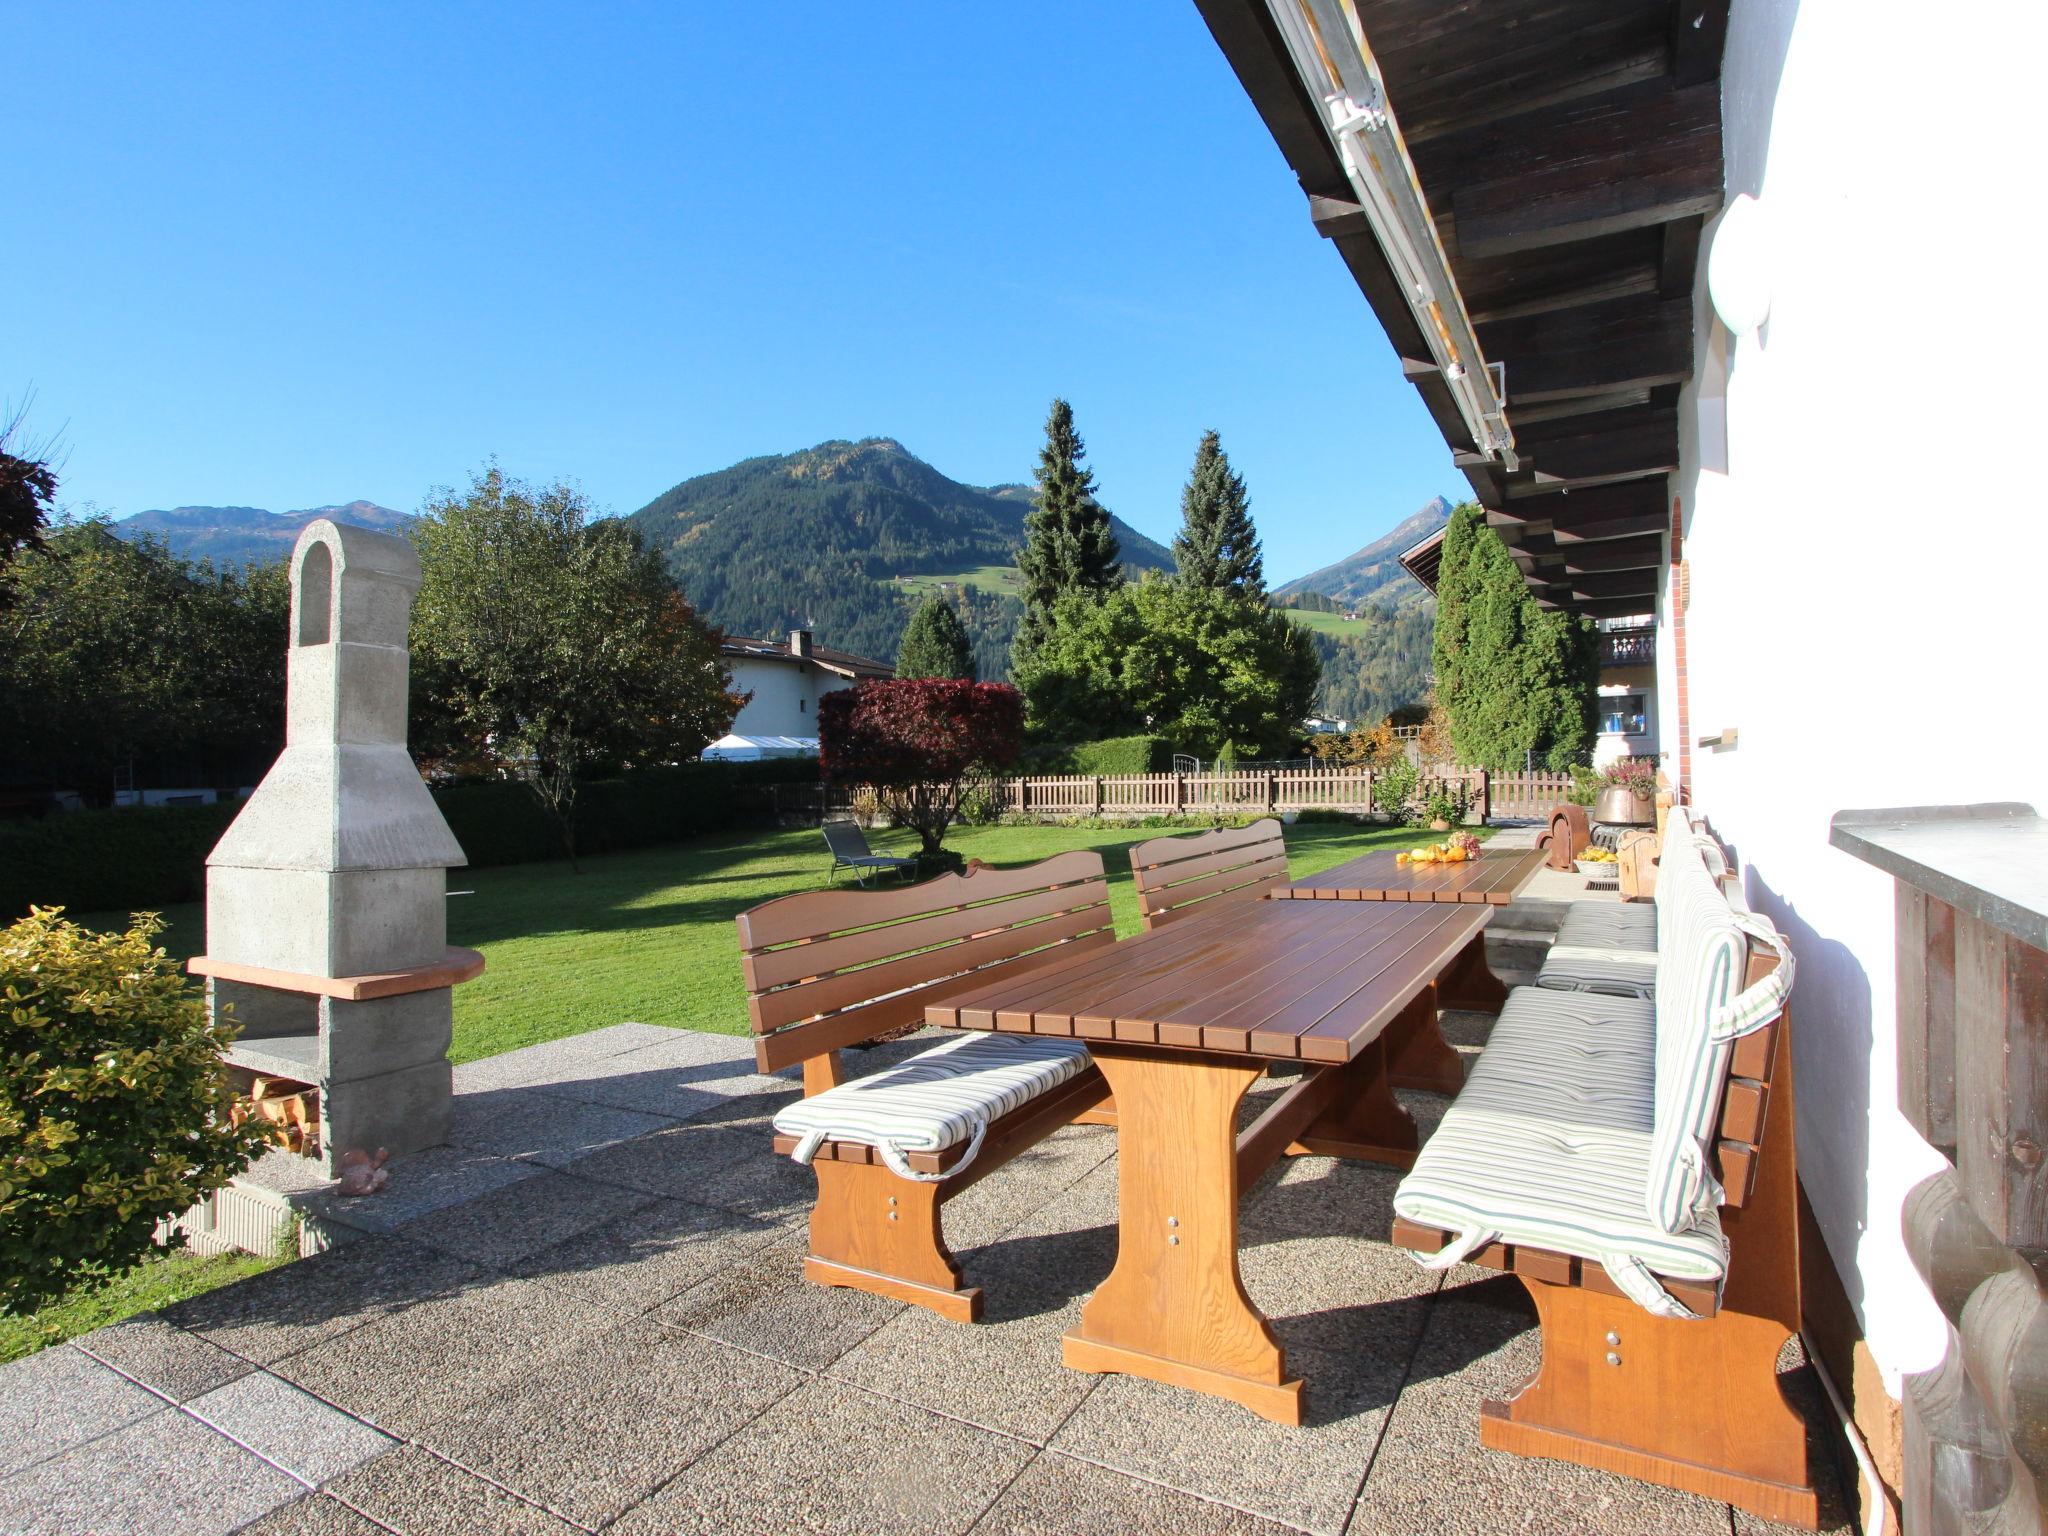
(1330, 55)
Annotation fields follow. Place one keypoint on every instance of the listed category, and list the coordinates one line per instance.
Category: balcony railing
(1628, 648)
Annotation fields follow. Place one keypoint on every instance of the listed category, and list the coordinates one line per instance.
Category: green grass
(1328, 623)
(988, 578)
(153, 1283)
(648, 935)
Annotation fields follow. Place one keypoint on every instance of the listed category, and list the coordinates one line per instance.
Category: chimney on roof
(799, 642)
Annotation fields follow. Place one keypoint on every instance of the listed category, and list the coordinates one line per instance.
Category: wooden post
(1485, 797)
(1180, 793)
(1098, 794)
(1272, 791)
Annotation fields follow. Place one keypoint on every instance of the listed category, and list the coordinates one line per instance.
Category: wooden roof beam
(1627, 159)
(1599, 584)
(1622, 344)
(1611, 445)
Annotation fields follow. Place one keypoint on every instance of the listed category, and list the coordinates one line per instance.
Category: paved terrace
(589, 1315)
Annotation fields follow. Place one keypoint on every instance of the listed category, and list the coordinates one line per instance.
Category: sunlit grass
(151, 1284)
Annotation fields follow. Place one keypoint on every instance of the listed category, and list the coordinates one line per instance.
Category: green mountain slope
(842, 538)
(1375, 571)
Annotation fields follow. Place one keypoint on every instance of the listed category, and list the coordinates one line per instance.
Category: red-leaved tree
(922, 743)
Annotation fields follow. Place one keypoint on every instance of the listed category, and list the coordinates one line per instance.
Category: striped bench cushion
(1549, 1145)
(935, 1100)
(1618, 972)
(1702, 1009)
(1609, 925)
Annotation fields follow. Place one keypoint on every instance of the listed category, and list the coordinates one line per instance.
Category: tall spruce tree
(1068, 545)
(1517, 680)
(1217, 546)
(935, 643)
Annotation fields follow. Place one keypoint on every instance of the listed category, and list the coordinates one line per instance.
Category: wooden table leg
(1468, 981)
(1365, 1120)
(1420, 1055)
(1174, 1309)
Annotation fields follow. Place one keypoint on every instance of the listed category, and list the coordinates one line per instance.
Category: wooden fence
(1489, 796)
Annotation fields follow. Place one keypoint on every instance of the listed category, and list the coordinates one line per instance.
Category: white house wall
(785, 701)
(1864, 536)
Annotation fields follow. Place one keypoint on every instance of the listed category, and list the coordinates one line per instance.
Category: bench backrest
(1723, 979)
(845, 839)
(1177, 876)
(826, 969)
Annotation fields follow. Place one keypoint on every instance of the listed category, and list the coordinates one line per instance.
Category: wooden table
(1493, 878)
(1183, 1020)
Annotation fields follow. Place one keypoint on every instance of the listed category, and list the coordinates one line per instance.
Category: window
(802, 705)
(1624, 714)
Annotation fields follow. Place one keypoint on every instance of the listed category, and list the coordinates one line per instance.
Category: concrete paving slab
(416, 1493)
(620, 1038)
(764, 1304)
(1340, 1293)
(1306, 1477)
(1432, 1475)
(608, 1423)
(653, 1253)
(1003, 1373)
(527, 1067)
(676, 1077)
(149, 1349)
(1012, 1194)
(421, 1184)
(831, 1461)
(314, 1514)
(293, 1308)
(1057, 1493)
(60, 1398)
(158, 1475)
(502, 1227)
(313, 1441)
(537, 1127)
(725, 1166)
(425, 1362)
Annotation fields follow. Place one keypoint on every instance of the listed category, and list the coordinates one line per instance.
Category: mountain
(1375, 571)
(843, 539)
(248, 535)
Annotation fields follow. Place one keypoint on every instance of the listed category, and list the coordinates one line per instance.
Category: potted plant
(1628, 792)
(1446, 806)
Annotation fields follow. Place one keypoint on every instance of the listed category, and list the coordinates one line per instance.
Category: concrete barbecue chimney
(326, 910)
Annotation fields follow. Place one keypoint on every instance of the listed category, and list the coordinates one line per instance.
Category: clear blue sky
(284, 255)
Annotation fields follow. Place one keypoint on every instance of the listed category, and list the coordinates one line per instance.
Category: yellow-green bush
(113, 1103)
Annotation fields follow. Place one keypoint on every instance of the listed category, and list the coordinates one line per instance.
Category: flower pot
(1439, 825)
(1596, 869)
(1625, 807)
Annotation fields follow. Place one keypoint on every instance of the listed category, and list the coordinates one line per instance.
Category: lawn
(648, 935)
(151, 1284)
(986, 578)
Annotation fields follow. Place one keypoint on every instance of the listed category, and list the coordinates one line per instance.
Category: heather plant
(114, 1103)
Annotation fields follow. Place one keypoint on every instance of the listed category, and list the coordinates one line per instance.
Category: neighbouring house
(1323, 725)
(786, 679)
(1713, 303)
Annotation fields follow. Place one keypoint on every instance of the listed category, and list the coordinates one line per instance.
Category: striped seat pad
(935, 1100)
(1608, 925)
(1619, 972)
(1548, 1146)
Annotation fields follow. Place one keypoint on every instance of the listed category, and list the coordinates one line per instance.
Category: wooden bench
(826, 970)
(1692, 1403)
(1179, 876)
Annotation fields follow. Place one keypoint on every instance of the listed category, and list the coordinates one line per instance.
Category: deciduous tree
(555, 647)
(1197, 666)
(922, 743)
(1517, 681)
(1217, 546)
(28, 491)
(935, 643)
(1068, 545)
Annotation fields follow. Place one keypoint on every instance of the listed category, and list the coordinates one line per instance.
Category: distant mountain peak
(1375, 571)
(249, 535)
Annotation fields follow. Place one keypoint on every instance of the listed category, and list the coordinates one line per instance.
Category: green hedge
(1111, 755)
(142, 859)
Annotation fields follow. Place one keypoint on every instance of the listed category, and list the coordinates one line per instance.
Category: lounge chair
(850, 850)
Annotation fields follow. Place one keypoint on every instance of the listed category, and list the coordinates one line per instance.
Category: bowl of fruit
(1596, 862)
(1458, 848)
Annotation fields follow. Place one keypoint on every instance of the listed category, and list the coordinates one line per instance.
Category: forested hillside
(1378, 664)
(1375, 571)
(841, 538)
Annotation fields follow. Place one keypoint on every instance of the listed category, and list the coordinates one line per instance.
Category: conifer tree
(1068, 545)
(1517, 681)
(935, 643)
(1217, 546)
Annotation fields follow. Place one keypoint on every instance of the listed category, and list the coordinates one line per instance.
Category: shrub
(1120, 755)
(113, 1103)
(921, 743)
(1393, 787)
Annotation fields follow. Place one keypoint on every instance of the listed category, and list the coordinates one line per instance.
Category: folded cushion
(1619, 972)
(1609, 925)
(938, 1099)
(1549, 1145)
